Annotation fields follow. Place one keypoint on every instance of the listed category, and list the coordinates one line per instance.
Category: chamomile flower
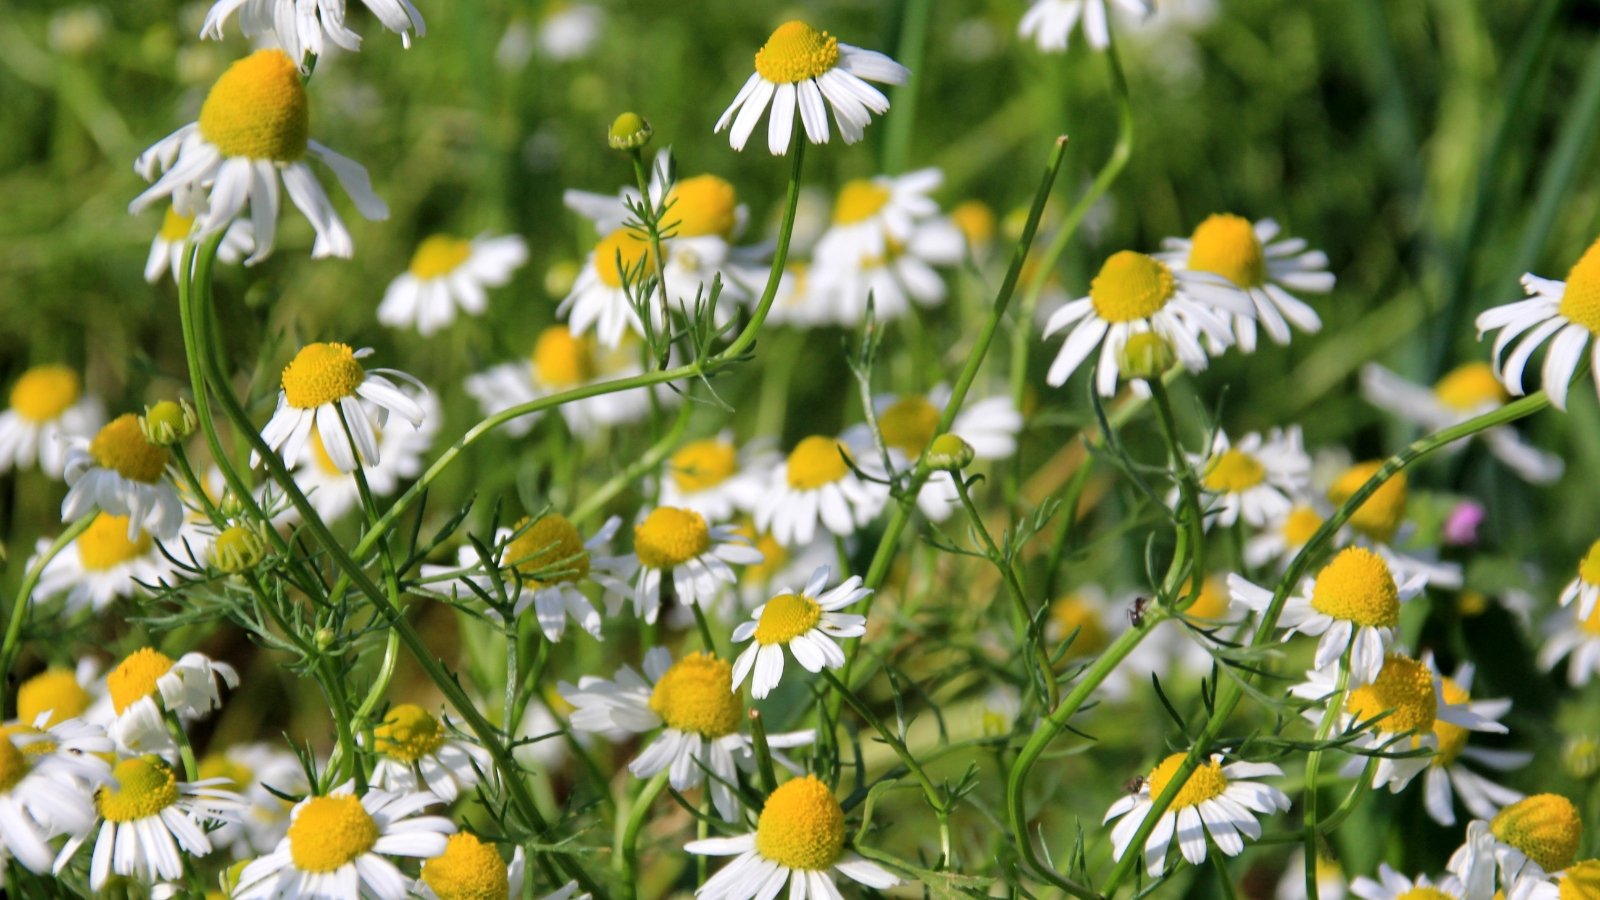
(300, 27)
(418, 752)
(1448, 774)
(779, 565)
(470, 869)
(799, 840)
(1134, 294)
(1253, 479)
(335, 493)
(907, 423)
(1567, 310)
(102, 564)
(1585, 586)
(448, 274)
(716, 478)
(1253, 264)
(148, 683)
(1217, 800)
(1465, 392)
(58, 694)
(609, 284)
(563, 360)
(679, 544)
(147, 816)
(806, 621)
(253, 131)
(337, 845)
(120, 472)
(1050, 22)
(871, 214)
(1523, 844)
(815, 484)
(261, 773)
(802, 69)
(1578, 637)
(1331, 884)
(844, 280)
(1282, 536)
(1391, 885)
(1353, 602)
(47, 780)
(171, 244)
(323, 388)
(1380, 524)
(47, 408)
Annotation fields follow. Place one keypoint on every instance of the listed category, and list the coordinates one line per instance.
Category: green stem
(1313, 769)
(628, 841)
(899, 128)
(931, 792)
(20, 604)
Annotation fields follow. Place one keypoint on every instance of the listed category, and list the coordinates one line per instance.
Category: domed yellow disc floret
(786, 617)
(1298, 527)
(135, 677)
(258, 109)
(145, 785)
(631, 250)
(1356, 586)
(1233, 471)
(696, 695)
(122, 447)
(1131, 286)
(43, 393)
(54, 690)
(859, 200)
(1450, 736)
(320, 374)
(702, 465)
(1424, 892)
(218, 765)
(1580, 302)
(1380, 516)
(104, 545)
(439, 254)
(409, 733)
(908, 424)
(816, 461)
(1545, 827)
(468, 869)
(1205, 782)
(1227, 245)
(801, 826)
(1072, 613)
(702, 205)
(1403, 689)
(670, 536)
(549, 552)
(1581, 881)
(795, 52)
(1212, 602)
(330, 832)
(13, 765)
(175, 226)
(1469, 387)
(562, 359)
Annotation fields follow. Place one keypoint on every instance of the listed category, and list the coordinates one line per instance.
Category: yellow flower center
(795, 52)
(816, 461)
(976, 221)
(1298, 527)
(1403, 689)
(1581, 881)
(1227, 245)
(702, 205)
(1233, 471)
(786, 617)
(670, 536)
(1205, 782)
(175, 226)
(1356, 586)
(409, 733)
(1212, 602)
(320, 374)
(1451, 737)
(122, 447)
(1589, 566)
(562, 359)
(1423, 892)
(774, 556)
(43, 393)
(330, 832)
(1073, 614)
(258, 109)
(218, 765)
(696, 695)
(135, 677)
(1545, 827)
(13, 765)
(859, 200)
(1469, 387)
(1131, 286)
(702, 465)
(1380, 516)
(908, 424)
(549, 552)
(55, 690)
(144, 787)
(1580, 302)
(438, 255)
(468, 869)
(104, 545)
(801, 826)
(1591, 625)
(631, 250)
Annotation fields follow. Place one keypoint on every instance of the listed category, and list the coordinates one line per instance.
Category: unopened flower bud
(949, 452)
(629, 131)
(1146, 355)
(168, 422)
(1580, 755)
(324, 638)
(238, 549)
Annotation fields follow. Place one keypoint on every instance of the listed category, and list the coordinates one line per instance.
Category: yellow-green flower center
(1380, 516)
(1212, 602)
(122, 447)
(409, 733)
(801, 826)
(218, 765)
(135, 677)
(1356, 586)
(562, 359)
(1450, 736)
(1233, 471)
(439, 254)
(908, 424)
(1298, 527)
(468, 869)
(670, 536)
(1131, 286)
(1581, 881)
(696, 695)
(330, 832)
(1469, 387)
(104, 545)
(1591, 625)
(43, 393)
(54, 690)
(702, 205)
(795, 52)
(816, 461)
(1580, 302)
(1545, 827)
(1403, 689)
(175, 226)
(1227, 245)
(1205, 782)
(859, 200)
(786, 617)
(702, 465)
(622, 255)
(321, 373)
(550, 551)
(258, 109)
(145, 786)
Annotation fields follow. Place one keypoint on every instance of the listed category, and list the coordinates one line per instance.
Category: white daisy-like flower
(693, 702)
(1567, 310)
(815, 484)
(256, 771)
(448, 274)
(570, 31)
(323, 388)
(1331, 884)
(418, 752)
(716, 478)
(779, 565)
(1254, 264)
(148, 683)
(147, 818)
(301, 27)
(1353, 602)
(102, 564)
(253, 131)
(1217, 800)
(59, 693)
(1465, 392)
(470, 868)
(1585, 586)
(171, 243)
(1254, 478)
(806, 621)
(1391, 885)
(48, 775)
(563, 361)
(1136, 294)
(1448, 774)
(1050, 22)
(799, 841)
(1380, 524)
(1568, 634)
(335, 493)
(1524, 844)
(895, 281)
(47, 408)
(679, 544)
(870, 215)
(337, 843)
(800, 69)
(120, 472)
(1282, 536)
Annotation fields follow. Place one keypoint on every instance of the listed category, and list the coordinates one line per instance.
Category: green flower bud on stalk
(630, 132)
(1146, 355)
(949, 452)
(167, 422)
(238, 549)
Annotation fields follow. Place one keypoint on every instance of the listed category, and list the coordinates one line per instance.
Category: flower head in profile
(148, 683)
(1520, 847)
(171, 245)
(802, 70)
(47, 407)
(1216, 799)
(1050, 22)
(1568, 311)
(1448, 774)
(1253, 479)
(102, 564)
(679, 546)
(1282, 536)
(449, 275)
(48, 775)
(335, 492)
(324, 387)
(418, 752)
(715, 477)
(806, 621)
(304, 27)
(119, 471)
